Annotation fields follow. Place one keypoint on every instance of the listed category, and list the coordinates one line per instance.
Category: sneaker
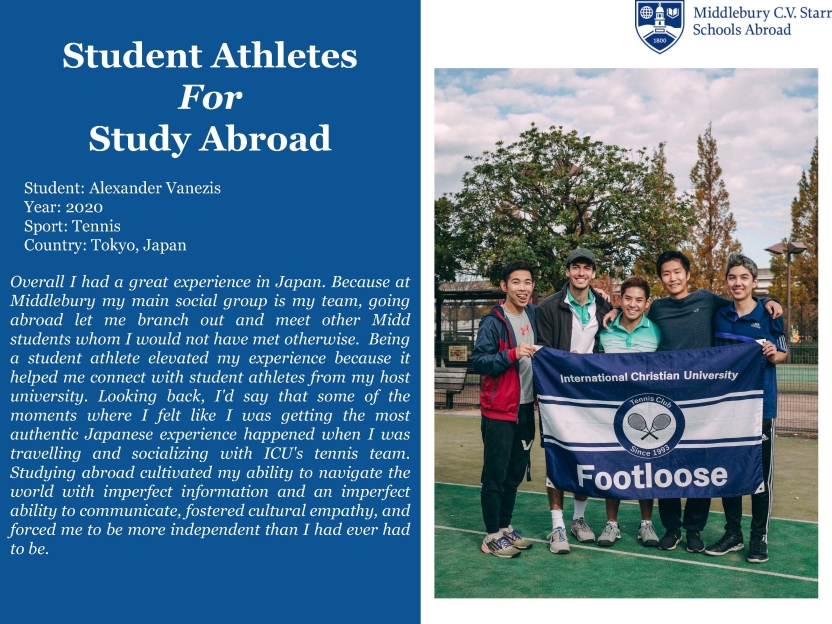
(670, 540)
(694, 541)
(581, 531)
(557, 542)
(609, 535)
(757, 551)
(647, 535)
(730, 542)
(517, 540)
(499, 547)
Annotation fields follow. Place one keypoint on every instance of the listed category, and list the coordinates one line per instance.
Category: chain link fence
(797, 379)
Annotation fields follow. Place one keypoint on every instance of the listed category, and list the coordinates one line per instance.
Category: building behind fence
(460, 312)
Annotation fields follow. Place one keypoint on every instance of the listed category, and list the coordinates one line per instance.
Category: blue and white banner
(653, 425)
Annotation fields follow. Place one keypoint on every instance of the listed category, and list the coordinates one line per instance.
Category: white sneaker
(500, 547)
(647, 535)
(581, 531)
(516, 539)
(609, 535)
(557, 542)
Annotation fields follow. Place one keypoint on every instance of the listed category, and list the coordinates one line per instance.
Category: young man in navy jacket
(502, 355)
(747, 321)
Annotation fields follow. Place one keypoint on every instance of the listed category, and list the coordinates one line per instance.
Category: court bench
(451, 381)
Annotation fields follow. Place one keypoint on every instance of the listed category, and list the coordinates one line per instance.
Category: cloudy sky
(764, 121)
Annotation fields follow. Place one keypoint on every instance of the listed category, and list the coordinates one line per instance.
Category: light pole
(790, 249)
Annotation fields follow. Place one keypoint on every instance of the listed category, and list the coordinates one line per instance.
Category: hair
(636, 282)
(516, 265)
(737, 259)
(669, 256)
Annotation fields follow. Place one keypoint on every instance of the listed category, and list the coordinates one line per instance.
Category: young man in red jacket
(502, 355)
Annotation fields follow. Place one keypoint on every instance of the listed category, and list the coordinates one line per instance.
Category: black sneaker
(757, 551)
(730, 542)
(670, 540)
(695, 543)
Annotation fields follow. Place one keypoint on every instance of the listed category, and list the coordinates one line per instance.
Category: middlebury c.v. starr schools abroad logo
(649, 425)
(660, 24)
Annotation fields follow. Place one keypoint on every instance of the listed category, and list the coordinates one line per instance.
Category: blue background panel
(352, 211)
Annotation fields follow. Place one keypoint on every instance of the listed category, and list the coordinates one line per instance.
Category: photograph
(626, 332)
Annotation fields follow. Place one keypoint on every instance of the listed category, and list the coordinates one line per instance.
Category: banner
(653, 425)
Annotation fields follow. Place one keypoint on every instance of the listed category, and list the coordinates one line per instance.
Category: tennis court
(628, 569)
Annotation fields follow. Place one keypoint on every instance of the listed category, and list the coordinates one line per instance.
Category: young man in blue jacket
(502, 355)
(747, 321)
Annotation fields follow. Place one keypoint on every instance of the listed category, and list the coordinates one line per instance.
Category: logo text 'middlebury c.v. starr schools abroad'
(660, 24)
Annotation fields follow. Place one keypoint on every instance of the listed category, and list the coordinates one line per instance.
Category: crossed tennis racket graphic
(637, 422)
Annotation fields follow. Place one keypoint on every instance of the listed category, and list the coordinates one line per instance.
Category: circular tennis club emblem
(649, 425)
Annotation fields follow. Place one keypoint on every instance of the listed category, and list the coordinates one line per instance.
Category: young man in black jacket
(569, 320)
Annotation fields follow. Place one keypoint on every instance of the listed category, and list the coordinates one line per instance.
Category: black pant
(761, 500)
(696, 513)
(505, 457)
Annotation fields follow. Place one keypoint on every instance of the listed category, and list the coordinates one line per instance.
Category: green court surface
(628, 570)
(797, 378)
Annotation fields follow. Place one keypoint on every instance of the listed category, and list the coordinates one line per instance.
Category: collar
(507, 312)
(755, 315)
(582, 311)
(590, 298)
(644, 322)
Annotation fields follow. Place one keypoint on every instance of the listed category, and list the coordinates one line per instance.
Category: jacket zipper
(516, 366)
(493, 391)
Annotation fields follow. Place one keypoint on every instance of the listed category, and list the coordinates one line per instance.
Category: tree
(711, 241)
(445, 262)
(550, 192)
(804, 230)
(675, 222)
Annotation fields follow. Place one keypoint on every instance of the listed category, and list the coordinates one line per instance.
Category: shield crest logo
(660, 24)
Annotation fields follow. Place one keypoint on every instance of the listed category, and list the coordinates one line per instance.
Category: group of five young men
(579, 319)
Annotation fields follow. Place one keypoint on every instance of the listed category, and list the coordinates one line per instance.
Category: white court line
(632, 554)
(567, 495)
